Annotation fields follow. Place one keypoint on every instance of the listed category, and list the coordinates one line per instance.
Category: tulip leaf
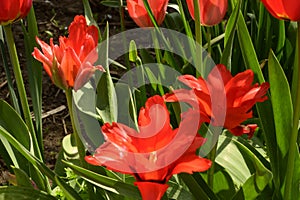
(281, 103)
(264, 109)
(12, 92)
(69, 192)
(34, 69)
(23, 193)
(42, 168)
(106, 183)
(198, 187)
(229, 36)
(111, 3)
(22, 178)
(106, 95)
(244, 166)
(20, 132)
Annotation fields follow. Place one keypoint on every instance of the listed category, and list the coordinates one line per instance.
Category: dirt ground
(53, 18)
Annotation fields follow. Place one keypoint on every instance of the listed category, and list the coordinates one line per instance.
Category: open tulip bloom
(70, 64)
(155, 152)
(238, 93)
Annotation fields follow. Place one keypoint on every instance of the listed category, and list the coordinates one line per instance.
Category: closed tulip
(70, 64)
(138, 13)
(12, 10)
(211, 11)
(283, 9)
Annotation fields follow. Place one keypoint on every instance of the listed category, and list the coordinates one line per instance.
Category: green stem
(198, 61)
(293, 139)
(79, 144)
(20, 86)
(209, 40)
(211, 171)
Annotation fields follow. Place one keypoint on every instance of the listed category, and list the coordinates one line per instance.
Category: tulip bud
(12, 10)
(138, 12)
(211, 11)
(283, 9)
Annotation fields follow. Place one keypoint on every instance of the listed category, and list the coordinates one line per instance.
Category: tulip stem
(198, 61)
(21, 88)
(211, 171)
(80, 146)
(294, 136)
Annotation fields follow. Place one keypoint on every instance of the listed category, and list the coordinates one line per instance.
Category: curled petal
(85, 72)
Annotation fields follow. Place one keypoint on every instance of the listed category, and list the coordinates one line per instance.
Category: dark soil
(53, 18)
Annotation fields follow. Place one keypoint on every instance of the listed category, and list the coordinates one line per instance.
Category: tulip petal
(151, 190)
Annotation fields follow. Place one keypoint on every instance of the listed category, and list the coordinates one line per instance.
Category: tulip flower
(138, 13)
(12, 10)
(211, 11)
(155, 152)
(283, 9)
(237, 93)
(70, 64)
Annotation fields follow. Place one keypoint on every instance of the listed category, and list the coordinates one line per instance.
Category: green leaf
(282, 106)
(22, 178)
(34, 69)
(69, 192)
(198, 187)
(111, 3)
(229, 36)
(23, 193)
(12, 92)
(257, 182)
(244, 166)
(106, 95)
(106, 183)
(20, 132)
(133, 55)
(33, 160)
(264, 109)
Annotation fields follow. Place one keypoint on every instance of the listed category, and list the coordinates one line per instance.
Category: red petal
(192, 164)
(70, 65)
(248, 129)
(151, 190)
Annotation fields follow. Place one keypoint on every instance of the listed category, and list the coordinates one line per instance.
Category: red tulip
(233, 97)
(73, 58)
(155, 152)
(284, 9)
(12, 10)
(211, 11)
(138, 13)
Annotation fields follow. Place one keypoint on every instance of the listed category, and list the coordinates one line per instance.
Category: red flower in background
(12, 10)
(234, 96)
(211, 11)
(73, 58)
(138, 13)
(283, 9)
(154, 153)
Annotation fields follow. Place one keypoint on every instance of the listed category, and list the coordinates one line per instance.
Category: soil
(53, 18)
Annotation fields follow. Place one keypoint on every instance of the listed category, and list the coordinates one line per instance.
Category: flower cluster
(156, 152)
(211, 12)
